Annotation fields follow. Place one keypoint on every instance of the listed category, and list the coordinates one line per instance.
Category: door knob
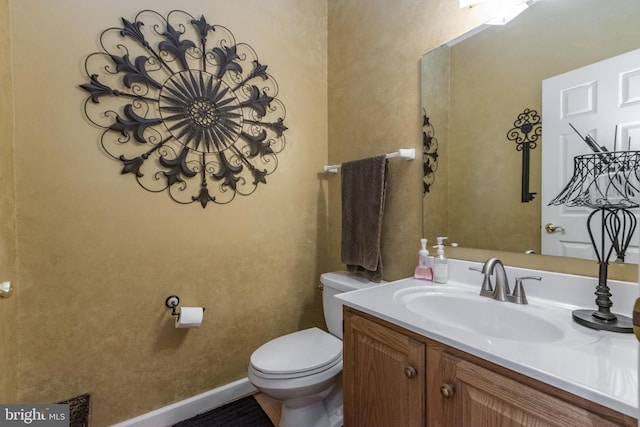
(410, 372)
(552, 228)
(447, 391)
(5, 289)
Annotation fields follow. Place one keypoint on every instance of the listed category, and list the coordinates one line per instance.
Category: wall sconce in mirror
(607, 182)
(184, 107)
(429, 154)
(525, 132)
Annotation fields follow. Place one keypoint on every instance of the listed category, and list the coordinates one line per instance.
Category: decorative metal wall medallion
(525, 133)
(429, 154)
(184, 108)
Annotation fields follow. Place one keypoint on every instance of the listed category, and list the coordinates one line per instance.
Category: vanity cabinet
(394, 377)
(383, 374)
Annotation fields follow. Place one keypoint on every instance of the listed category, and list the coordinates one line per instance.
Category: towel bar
(405, 153)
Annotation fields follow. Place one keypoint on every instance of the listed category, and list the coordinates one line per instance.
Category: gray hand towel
(363, 192)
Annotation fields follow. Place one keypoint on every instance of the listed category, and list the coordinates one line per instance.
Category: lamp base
(621, 324)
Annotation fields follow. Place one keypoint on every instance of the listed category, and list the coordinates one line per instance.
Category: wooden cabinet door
(472, 396)
(383, 374)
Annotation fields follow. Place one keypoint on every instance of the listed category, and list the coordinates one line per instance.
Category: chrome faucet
(501, 292)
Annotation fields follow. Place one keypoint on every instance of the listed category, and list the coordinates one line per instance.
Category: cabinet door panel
(384, 376)
(489, 399)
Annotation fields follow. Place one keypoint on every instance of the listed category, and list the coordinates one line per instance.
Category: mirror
(473, 90)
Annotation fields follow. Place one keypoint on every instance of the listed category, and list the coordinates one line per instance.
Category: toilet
(303, 369)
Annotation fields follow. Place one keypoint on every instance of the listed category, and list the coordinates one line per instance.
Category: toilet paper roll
(190, 317)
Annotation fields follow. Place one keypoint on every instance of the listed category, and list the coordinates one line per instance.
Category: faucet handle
(487, 287)
(518, 296)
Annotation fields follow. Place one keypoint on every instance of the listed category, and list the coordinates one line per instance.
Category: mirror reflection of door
(601, 100)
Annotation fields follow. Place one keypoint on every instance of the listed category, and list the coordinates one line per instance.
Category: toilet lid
(308, 350)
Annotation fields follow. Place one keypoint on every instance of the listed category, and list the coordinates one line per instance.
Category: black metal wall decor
(184, 108)
(525, 133)
(429, 153)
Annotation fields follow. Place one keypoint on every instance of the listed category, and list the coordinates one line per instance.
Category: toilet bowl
(303, 369)
(300, 373)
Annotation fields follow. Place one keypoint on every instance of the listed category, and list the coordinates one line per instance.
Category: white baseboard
(192, 406)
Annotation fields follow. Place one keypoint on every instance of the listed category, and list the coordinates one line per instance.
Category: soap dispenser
(424, 270)
(440, 263)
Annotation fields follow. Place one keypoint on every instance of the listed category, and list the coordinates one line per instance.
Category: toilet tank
(334, 283)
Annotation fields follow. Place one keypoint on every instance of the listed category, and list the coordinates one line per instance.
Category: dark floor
(254, 411)
(244, 412)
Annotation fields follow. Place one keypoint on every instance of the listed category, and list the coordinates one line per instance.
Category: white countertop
(599, 366)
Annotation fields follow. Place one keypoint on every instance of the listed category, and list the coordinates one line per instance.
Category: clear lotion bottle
(440, 263)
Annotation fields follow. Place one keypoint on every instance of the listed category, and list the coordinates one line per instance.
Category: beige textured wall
(9, 306)
(98, 255)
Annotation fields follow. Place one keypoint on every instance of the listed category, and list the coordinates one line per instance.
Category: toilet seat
(298, 354)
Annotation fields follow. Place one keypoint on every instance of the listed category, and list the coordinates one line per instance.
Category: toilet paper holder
(172, 302)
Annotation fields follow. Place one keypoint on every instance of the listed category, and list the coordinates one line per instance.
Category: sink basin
(491, 318)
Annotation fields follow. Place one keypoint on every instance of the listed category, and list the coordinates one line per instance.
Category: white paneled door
(601, 100)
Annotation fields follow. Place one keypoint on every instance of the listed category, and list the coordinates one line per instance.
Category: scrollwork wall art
(184, 108)
(429, 154)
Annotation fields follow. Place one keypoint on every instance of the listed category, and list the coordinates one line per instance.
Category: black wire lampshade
(608, 183)
(603, 180)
